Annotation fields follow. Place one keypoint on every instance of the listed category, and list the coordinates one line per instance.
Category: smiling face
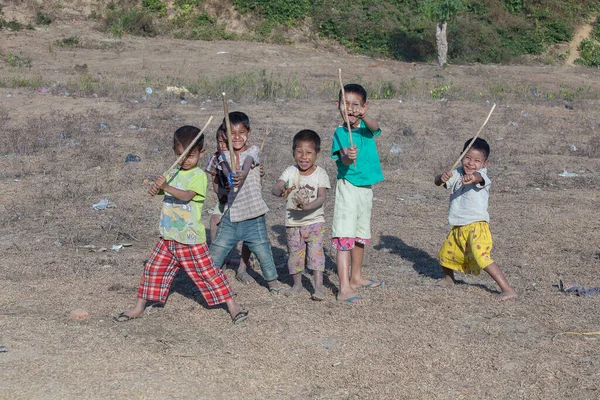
(305, 155)
(473, 161)
(354, 106)
(239, 137)
(192, 158)
(222, 142)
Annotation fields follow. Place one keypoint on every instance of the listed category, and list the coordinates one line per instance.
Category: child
(358, 169)
(305, 185)
(468, 245)
(244, 218)
(221, 187)
(182, 240)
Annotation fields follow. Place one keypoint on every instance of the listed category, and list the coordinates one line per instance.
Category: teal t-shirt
(368, 168)
(180, 220)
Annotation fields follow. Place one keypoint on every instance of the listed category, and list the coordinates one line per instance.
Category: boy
(305, 186)
(468, 245)
(244, 218)
(358, 170)
(182, 240)
(221, 187)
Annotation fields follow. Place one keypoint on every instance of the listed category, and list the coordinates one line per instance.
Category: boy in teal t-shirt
(358, 169)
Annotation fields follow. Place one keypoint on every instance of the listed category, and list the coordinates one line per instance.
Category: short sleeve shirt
(468, 203)
(212, 169)
(368, 167)
(308, 187)
(247, 202)
(181, 220)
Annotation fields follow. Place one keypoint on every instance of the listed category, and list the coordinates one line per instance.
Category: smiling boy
(469, 243)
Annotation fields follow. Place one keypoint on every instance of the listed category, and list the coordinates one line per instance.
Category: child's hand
(471, 178)
(352, 153)
(238, 178)
(359, 112)
(445, 177)
(159, 184)
(287, 190)
(262, 171)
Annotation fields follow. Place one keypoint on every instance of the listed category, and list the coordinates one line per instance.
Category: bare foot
(446, 281)
(507, 295)
(294, 290)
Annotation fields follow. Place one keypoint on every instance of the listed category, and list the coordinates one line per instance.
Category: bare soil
(410, 340)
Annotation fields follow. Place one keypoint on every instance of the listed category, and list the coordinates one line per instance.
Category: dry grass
(411, 340)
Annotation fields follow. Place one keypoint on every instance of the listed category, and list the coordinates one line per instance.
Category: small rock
(79, 315)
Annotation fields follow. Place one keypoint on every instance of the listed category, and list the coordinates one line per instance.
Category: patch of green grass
(71, 41)
(22, 82)
(133, 21)
(17, 60)
(42, 18)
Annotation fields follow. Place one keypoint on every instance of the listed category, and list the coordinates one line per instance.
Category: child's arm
(473, 178)
(161, 184)
(280, 189)
(240, 176)
(370, 123)
(443, 178)
(318, 202)
(348, 155)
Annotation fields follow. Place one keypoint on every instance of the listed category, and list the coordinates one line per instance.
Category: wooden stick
(234, 161)
(191, 145)
(473, 140)
(264, 140)
(345, 113)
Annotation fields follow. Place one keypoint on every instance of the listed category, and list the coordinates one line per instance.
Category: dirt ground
(63, 151)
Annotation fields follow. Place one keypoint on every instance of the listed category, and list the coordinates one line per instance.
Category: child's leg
(296, 259)
(315, 257)
(254, 234)
(356, 278)
(507, 292)
(225, 239)
(346, 292)
(210, 280)
(214, 225)
(241, 274)
(448, 278)
(159, 272)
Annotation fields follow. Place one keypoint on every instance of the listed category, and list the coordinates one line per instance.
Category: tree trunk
(441, 42)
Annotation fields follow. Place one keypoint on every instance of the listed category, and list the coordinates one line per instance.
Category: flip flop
(275, 290)
(245, 278)
(375, 284)
(318, 296)
(123, 318)
(240, 317)
(352, 300)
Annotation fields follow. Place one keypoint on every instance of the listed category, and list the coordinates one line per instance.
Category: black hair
(235, 118)
(219, 133)
(356, 89)
(479, 144)
(307, 135)
(185, 135)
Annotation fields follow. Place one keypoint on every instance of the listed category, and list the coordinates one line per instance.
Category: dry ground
(410, 340)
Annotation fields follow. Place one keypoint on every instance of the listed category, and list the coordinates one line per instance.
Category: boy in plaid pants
(182, 240)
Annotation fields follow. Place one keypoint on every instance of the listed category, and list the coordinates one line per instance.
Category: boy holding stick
(244, 218)
(358, 169)
(182, 242)
(469, 243)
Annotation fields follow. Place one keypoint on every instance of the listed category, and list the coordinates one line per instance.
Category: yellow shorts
(467, 248)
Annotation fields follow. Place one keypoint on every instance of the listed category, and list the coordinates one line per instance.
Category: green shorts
(352, 210)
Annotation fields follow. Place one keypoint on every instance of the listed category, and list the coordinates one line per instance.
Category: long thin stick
(232, 156)
(343, 105)
(190, 146)
(473, 140)
(264, 140)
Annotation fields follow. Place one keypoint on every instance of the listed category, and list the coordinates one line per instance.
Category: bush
(154, 6)
(283, 11)
(42, 19)
(596, 30)
(589, 53)
(133, 21)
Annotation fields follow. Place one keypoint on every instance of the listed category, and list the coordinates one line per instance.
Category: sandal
(240, 317)
(275, 290)
(123, 318)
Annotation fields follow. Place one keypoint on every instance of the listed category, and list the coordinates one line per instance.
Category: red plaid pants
(166, 258)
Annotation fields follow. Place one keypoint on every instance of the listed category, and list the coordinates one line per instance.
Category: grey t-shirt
(468, 203)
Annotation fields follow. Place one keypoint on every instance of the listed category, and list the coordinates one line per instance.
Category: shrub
(589, 53)
(154, 6)
(132, 21)
(283, 11)
(42, 19)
